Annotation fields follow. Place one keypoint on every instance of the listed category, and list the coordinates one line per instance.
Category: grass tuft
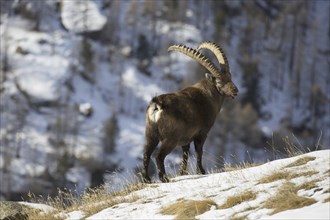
(306, 174)
(326, 191)
(188, 209)
(274, 177)
(98, 199)
(240, 216)
(301, 161)
(243, 217)
(285, 175)
(291, 148)
(308, 185)
(238, 199)
(286, 198)
(38, 214)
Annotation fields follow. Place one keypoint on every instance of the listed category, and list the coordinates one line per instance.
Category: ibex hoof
(145, 179)
(201, 171)
(164, 179)
(183, 172)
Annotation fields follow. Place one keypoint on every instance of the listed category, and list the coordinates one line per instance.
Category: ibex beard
(177, 119)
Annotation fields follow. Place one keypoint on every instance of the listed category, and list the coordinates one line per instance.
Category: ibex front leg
(185, 156)
(199, 142)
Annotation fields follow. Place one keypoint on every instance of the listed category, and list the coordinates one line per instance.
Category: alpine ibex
(177, 119)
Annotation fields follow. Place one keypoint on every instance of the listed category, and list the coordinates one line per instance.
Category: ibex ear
(208, 76)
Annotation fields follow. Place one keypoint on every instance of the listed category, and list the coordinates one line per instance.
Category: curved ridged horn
(218, 52)
(200, 58)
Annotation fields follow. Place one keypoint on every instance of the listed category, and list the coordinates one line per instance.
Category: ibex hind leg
(185, 156)
(149, 148)
(165, 148)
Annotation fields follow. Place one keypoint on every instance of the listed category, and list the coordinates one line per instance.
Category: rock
(12, 210)
(82, 16)
(21, 51)
(86, 109)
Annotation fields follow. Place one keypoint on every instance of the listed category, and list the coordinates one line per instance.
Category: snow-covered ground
(219, 186)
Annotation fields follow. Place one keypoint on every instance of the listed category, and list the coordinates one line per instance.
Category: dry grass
(40, 215)
(275, 176)
(306, 174)
(243, 217)
(98, 199)
(301, 161)
(188, 209)
(327, 191)
(95, 200)
(65, 200)
(132, 188)
(286, 198)
(291, 148)
(284, 175)
(238, 199)
(327, 199)
(308, 185)
(90, 202)
(244, 165)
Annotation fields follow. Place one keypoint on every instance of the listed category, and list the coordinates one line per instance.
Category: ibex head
(220, 78)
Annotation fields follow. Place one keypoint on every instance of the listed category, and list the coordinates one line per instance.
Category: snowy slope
(218, 187)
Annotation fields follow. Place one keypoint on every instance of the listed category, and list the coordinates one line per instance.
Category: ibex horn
(218, 52)
(200, 58)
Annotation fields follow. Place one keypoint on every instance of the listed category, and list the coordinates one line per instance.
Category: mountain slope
(292, 188)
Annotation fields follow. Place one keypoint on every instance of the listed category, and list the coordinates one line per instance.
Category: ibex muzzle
(177, 119)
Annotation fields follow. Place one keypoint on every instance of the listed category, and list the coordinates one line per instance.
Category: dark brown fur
(186, 117)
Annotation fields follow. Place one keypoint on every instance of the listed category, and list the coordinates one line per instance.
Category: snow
(82, 16)
(315, 211)
(78, 175)
(37, 72)
(22, 168)
(74, 215)
(141, 85)
(85, 108)
(42, 207)
(220, 186)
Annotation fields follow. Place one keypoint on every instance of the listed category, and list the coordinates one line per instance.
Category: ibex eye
(208, 76)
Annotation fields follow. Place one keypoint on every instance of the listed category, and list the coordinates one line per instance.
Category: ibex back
(177, 119)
